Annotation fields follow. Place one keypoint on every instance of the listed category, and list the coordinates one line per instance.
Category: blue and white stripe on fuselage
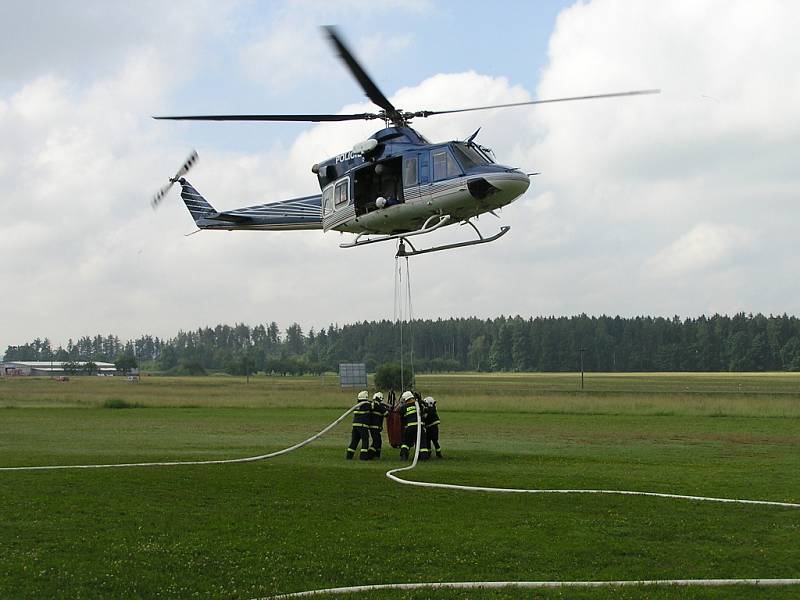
(448, 197)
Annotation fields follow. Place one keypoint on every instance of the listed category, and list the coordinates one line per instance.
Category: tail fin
(197, 205)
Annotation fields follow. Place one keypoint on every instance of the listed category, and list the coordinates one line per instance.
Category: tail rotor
(185, 168)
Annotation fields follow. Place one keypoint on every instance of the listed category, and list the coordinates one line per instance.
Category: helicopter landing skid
(401, 250)
(431, 224)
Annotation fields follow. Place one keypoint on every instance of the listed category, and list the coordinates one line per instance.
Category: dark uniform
(411, 421)
(377, 413)
(360, 431)
(431, 421)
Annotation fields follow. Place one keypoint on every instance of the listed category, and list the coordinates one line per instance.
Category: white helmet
(363, 395)
(407, 396)
(429, 400)
(378, 396)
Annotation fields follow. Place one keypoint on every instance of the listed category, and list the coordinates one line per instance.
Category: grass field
(311, 520)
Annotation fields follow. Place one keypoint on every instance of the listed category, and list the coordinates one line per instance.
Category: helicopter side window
(340, 196)
(410, 175)
(444, 166)
(327, 201)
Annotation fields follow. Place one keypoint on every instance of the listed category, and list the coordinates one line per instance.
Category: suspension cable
(396, 291)
(410, 313)
(404, 309)
(398, 312)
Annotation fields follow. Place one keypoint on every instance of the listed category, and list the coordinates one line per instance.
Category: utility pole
(581, 350)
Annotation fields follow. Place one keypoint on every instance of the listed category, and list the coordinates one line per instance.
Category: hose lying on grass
(465, 584)
(471, 488)
(475, 585)
(177, 463)
(544, 584)
(391, 473)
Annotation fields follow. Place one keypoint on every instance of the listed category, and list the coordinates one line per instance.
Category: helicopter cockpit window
(468, 156)
(410, 175)
(444, 166)
(340, 196)
(327, 201)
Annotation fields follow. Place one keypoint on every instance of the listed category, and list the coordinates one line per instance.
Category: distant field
(310, 520)
(768, 394)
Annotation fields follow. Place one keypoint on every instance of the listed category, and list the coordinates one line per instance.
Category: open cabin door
(378, 185)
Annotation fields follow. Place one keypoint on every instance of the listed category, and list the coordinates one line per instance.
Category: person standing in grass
(378, 412)
(431, 420)
(411, 421)
(360, 433)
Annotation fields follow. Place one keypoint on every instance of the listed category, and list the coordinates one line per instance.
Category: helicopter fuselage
(404, 180)
(392, 185)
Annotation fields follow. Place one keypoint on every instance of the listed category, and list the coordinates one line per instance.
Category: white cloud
(697, 186)
(285, 56)
(293, 51)
(293, 54)
(675, 183)
(87, 40)
(705, 246)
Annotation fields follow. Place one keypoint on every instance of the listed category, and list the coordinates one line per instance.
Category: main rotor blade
(311, 118)
(369, 87)
(428, 113)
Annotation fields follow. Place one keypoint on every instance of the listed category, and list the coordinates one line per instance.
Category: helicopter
(395, 185)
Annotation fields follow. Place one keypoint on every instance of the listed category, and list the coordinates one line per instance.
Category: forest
(743, 342)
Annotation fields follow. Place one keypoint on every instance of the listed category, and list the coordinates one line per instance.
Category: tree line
(742, 342)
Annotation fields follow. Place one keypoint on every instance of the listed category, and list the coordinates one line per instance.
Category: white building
(47, 368)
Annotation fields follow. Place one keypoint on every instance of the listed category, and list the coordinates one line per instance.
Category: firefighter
(431, 421)
(360, 428)
(424, 447)
(377, 413)
(412, 421)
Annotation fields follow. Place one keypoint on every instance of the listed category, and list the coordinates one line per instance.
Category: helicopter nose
(512, 184)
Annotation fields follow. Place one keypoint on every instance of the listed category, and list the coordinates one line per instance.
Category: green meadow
(311, 520)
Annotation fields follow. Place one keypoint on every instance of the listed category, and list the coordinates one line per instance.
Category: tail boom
(293, 214)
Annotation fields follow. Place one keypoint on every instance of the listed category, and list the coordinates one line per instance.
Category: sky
(684, 203)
